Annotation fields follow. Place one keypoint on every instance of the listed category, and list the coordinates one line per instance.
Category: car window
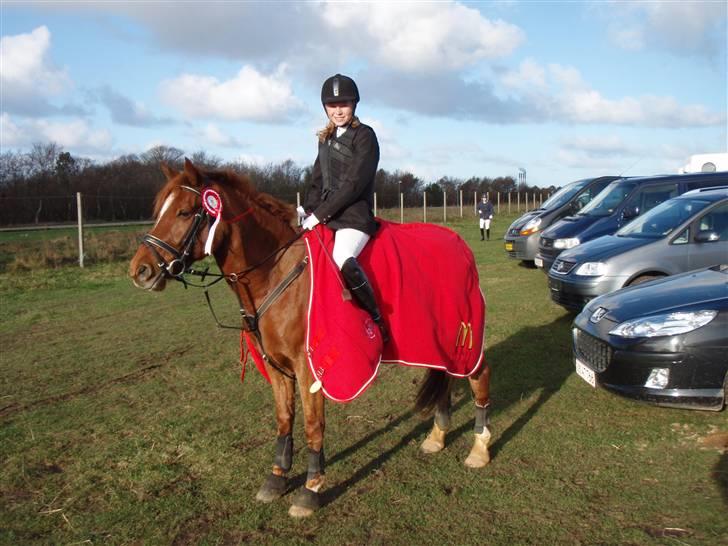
(649, 197)
(683, 238)
(563, 195)
(716, 220)
(607, 201)
(664, 218)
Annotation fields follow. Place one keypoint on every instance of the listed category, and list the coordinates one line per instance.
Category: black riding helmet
(339, 88)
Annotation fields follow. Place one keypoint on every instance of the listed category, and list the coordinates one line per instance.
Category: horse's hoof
(435, 441)
(299, 512)
(305, 503)
(479, 456)
(273, 488)
(477, 460)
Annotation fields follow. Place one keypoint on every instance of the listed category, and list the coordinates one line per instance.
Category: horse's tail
(434, 390)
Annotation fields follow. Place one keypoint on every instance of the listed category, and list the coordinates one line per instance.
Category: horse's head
(177, 239)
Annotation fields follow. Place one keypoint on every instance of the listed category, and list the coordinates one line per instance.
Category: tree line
(40, 185)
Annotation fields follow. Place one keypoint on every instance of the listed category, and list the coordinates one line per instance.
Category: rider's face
(340, 113)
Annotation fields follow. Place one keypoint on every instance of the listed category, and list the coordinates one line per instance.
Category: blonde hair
(327, 131)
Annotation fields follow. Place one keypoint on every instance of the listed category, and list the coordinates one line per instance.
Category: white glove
(310, 222)
(490, 217)
(301, 214)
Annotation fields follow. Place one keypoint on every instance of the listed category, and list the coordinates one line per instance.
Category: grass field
(123, 421)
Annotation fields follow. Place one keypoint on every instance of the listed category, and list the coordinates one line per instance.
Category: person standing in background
(485, 214)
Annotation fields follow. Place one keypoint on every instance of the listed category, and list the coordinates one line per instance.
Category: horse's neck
(248, 245)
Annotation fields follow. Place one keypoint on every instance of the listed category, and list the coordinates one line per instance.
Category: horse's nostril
(143, 272)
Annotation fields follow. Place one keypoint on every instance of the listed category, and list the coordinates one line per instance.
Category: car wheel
(644, 278)
(529, 264)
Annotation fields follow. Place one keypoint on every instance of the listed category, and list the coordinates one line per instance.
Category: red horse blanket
(426, 283)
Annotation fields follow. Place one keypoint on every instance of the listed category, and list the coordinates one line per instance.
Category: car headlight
(532, 226)
(566, 243)
(592, 269)
(664, 325)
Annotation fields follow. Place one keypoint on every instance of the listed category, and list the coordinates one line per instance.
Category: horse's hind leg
(479, 455)
(308, 498)
(284, 394)
(435, 441)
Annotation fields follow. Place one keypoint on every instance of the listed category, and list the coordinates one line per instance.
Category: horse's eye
(184, 213)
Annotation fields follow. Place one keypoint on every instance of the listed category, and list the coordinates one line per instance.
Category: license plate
(585, 373)
(509, 247)
(538, 262)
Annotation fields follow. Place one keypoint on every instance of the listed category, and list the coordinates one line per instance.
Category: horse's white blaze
(165, 206)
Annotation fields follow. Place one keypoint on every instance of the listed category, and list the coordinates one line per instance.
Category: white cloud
(24, 63)
(250, 95)
(421, 36)
(561, 94)
(74, 135)
(683, 28)
(28, 77)
(212, 134)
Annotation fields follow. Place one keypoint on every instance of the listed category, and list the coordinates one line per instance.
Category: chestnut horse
(255, 246)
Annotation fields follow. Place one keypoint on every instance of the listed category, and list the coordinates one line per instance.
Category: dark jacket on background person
(341, 193)
(485, 210)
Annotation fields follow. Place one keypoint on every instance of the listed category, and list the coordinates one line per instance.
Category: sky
(562, 90)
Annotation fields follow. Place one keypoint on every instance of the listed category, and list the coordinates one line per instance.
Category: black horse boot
(362, 292)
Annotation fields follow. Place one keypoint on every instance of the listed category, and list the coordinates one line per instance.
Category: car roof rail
(701, 190)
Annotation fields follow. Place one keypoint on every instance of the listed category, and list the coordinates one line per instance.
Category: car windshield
(608, 200)
(564, 195)
(664, 218)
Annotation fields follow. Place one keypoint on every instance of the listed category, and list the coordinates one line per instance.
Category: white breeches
(348, 243)
(485, 223)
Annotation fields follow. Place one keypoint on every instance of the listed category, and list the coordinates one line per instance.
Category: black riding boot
(488, 232)
(482, 234)
(362, 292)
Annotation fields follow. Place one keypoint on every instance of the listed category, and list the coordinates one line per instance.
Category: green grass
(123, 421)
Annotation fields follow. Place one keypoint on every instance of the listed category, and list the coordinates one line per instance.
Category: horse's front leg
(284, 395)
(308, 498)
(479, 455)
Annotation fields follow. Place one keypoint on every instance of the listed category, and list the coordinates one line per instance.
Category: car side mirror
(706, 236)
(632, 211)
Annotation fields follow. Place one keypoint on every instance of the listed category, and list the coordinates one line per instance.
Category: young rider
(341, 193)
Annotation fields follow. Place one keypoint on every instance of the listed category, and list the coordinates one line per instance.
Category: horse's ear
(168, 171)
(193, 175)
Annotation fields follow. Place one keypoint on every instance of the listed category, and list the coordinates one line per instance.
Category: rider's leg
(348, 244)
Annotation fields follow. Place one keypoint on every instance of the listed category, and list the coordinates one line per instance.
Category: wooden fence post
(79, 212)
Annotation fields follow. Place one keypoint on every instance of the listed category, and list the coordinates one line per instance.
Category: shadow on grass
(720, 475)
(533, 360)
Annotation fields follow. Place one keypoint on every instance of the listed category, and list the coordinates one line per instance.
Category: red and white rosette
(213, 205)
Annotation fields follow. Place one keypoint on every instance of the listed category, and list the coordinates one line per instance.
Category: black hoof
(273, 488)
(307, 499)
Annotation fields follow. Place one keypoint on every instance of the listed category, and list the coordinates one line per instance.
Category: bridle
(176, 268)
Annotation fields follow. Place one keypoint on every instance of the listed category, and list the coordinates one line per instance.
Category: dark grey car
(684, 233)
(521, 239)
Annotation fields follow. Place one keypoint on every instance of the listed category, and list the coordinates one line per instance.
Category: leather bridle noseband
(177, 267)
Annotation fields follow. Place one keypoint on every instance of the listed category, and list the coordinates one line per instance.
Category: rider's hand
(310, 222)
(301, 214)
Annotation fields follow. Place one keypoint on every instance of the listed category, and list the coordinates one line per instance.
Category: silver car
(681, 234)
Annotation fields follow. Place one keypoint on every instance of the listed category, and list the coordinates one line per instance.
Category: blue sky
(564, 90)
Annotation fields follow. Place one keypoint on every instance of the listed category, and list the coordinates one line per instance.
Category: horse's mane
(239, 185)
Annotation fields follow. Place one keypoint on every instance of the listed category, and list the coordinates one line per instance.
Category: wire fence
(47, 211)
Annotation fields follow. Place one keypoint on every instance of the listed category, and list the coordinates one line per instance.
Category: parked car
(664, 342)
(521, 239)
(681, 234)
(619, 203)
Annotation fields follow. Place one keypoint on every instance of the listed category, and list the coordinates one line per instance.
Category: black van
(521, 239)
(620, 202)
